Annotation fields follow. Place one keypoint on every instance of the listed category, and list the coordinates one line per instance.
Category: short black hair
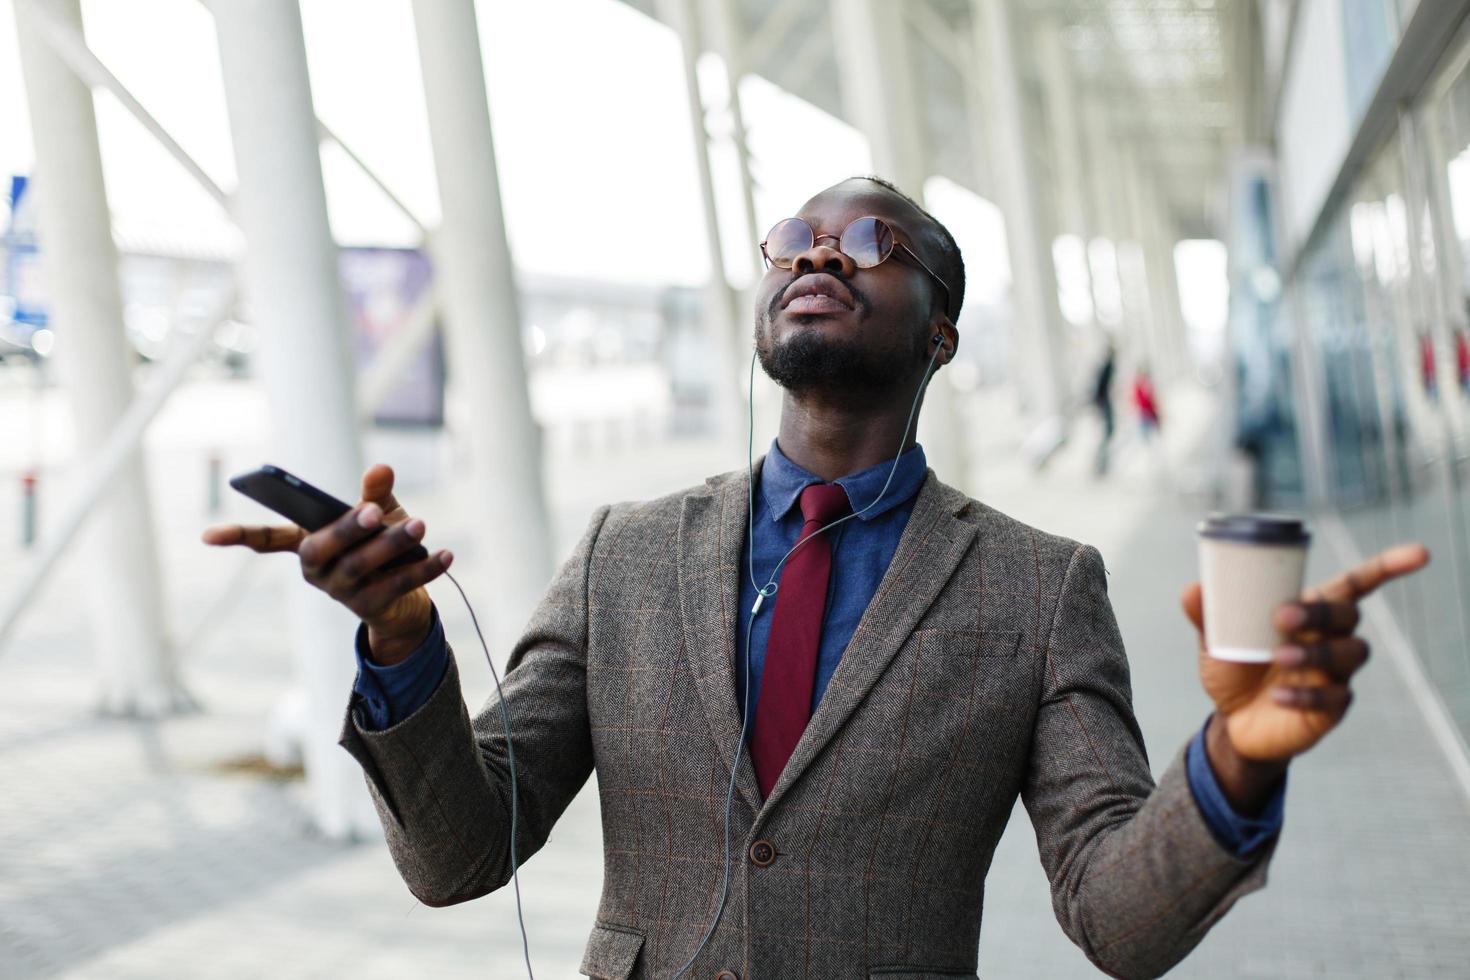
(951, 263)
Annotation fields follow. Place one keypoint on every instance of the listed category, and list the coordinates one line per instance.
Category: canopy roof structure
(1158, 75)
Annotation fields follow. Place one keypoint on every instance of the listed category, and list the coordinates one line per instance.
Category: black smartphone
(305, 505)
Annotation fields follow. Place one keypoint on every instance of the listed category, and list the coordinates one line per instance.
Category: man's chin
(813, 359)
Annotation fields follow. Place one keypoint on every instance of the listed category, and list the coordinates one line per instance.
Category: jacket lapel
(712, 529)
(931, 547)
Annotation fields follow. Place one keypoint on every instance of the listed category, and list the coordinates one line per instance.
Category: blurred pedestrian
(1146, 403)
(1462, 359)
(1102, 400)
(1428, 369)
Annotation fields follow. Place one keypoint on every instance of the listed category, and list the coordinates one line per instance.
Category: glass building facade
(1379, 313)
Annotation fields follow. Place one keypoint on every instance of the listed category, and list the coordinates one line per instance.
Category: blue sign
(383, 287)
(23, 282)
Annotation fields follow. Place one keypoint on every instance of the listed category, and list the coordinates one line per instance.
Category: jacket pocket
(612, 952)
(965, 642)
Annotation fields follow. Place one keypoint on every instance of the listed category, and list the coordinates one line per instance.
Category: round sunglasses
(868, 241)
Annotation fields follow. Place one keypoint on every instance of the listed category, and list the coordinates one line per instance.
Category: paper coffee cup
(1250, 564)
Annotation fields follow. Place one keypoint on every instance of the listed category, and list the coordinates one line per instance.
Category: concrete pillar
(885, 105)
(124, 600)
(1160, 237)
(1105, 210)
(1066, 136)
(1064, 127)
(732, 43)
(1138, 296)
(1156, 302)
(294, 293)
(732, 50)
(732, 334)
(1114, 189)
(1039, 333)
(476, 279)
(879, 90)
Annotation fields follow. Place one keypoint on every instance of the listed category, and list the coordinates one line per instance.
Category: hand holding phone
(367, 557)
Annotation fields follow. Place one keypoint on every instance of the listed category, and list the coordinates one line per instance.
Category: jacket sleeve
(441, 780)
(1137, 878)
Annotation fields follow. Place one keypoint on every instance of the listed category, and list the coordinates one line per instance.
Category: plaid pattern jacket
(988, 664)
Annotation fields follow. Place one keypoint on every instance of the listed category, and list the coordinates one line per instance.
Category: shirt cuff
(1237, 834)
(389, 694)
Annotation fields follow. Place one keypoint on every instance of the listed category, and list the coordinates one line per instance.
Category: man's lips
(817, 293)
(816, 303)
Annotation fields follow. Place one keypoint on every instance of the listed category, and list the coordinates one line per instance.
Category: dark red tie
(785, 703)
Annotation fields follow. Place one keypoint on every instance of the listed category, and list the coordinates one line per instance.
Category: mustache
(865, 307)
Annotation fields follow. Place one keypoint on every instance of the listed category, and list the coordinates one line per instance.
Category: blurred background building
(508, 248)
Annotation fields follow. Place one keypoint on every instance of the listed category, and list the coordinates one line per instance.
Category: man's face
(824, 323)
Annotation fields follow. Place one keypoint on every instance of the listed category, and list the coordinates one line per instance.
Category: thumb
(1193, 604)
(377, 487)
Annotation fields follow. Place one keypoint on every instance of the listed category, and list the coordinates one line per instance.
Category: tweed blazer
(987, 665)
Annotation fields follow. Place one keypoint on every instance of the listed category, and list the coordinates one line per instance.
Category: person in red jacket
(1146, 402)
(1428, 372)
(1462, 359)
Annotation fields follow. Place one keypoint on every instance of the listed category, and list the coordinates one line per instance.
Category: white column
(885, 105)
(1138, 296)
(879, 91)
(732, 41)
(732, 334)
(124, 600)
(294, 293)
(1160, 238)
(1064, 128)
(1039, 330)
(1066, 136)
(1115, 193)
(1158, 304)
(1106, 211)
(476, 276)
(732, 49)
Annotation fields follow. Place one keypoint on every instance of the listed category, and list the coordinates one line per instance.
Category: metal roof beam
(761, 43)
(930, 25)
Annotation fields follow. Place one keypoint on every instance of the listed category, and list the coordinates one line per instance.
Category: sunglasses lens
(786, 240)
(867, 241)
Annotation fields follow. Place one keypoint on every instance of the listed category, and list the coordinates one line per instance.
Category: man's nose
(823, 258)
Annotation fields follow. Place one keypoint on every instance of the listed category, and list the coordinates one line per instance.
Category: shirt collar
(782, 482)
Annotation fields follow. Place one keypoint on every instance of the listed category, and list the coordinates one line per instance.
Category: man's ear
(943, 332)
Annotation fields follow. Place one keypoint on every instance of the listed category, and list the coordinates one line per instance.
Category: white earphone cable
(762, 592)
(510, 753)
(767, 590)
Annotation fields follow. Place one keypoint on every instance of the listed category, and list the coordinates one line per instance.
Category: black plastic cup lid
(1255, 529)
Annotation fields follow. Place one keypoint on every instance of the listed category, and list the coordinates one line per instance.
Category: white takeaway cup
(1250, 564)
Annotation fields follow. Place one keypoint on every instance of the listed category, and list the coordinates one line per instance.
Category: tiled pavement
(126, 851)
(1372, 876)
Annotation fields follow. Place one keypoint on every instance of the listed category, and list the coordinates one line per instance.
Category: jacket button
(762, 853)
(727, 975)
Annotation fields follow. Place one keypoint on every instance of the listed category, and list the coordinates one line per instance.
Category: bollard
(28, 508)
(214, 482)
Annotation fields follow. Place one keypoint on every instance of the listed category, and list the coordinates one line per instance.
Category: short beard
(808, 361)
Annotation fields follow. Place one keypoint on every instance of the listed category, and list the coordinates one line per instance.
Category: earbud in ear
(939, 339)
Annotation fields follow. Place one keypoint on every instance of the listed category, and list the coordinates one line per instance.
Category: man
(923, 663)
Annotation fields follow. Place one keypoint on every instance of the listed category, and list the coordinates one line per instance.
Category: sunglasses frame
(897, 244)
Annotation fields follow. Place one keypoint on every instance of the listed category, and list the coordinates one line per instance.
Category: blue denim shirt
(861, 551)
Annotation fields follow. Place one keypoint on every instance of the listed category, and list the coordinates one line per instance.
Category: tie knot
(823, 502)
